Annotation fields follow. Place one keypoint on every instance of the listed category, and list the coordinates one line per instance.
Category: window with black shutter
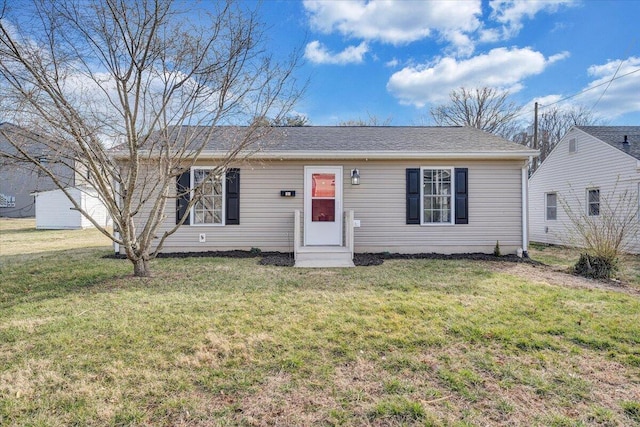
(183, 196)
(213, 189)
(413, 196)
(232, 194)
(433, 194)
(461, 196)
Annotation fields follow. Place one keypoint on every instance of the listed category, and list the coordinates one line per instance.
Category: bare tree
(294, 120)
(371, 120)
(553, 124)
(484, 108)
(145, 78)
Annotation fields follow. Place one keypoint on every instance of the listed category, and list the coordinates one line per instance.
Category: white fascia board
(380, 155)
(372, 155)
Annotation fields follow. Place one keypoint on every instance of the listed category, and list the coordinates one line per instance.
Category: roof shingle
(380, 138)
(335, 142)
(358, 141)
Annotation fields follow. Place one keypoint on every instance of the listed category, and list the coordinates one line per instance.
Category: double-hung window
(437, 196)
(208, 190)
(551, 206)
(593, 201)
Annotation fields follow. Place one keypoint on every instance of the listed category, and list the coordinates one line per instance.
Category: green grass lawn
(214, 341)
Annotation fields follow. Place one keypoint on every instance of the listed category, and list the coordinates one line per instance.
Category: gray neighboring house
(324, 193)
(587, 165)
(19, 180)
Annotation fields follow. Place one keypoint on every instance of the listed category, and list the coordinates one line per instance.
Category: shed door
(323, 205)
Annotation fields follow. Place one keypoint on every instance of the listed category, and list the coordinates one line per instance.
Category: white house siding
(266, 218)
(595, 164)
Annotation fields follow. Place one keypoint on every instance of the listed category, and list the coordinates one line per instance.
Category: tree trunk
(141, 267)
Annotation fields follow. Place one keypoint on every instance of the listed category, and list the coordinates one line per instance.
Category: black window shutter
(232, 195)
(461, 195)
(413, 196)
(183, 187)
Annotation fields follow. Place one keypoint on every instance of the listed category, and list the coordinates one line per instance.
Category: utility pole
(535, 127)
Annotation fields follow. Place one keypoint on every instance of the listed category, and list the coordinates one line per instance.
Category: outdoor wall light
(355, 177)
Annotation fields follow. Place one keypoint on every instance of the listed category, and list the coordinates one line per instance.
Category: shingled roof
(615, 136)
(368, 142)
(378, 138)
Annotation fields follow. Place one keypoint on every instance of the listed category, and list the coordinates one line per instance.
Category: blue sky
(395, 59)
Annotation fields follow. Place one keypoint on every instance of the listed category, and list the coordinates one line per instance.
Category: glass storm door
(323, 205)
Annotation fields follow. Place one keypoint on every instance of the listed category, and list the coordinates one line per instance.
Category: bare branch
(483, 108)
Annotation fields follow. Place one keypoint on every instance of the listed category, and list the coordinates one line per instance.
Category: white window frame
(451, 170)
(546, 206)
(589, 202)
(192, 216)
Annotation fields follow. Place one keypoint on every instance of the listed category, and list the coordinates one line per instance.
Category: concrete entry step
(323, 257)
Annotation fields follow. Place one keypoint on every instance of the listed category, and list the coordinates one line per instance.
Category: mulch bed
(365, 259)
(283, 259)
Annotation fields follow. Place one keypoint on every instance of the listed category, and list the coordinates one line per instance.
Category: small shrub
(255, 251)
(604, 235)
(595, 267)
(496, 250)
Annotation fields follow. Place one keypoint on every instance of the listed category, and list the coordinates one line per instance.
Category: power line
(605, 89)
(626, 55)
(608, 82)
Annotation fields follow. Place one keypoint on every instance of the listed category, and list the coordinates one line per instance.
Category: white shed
(54, 210)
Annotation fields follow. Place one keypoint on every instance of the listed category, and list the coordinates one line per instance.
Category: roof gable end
(615, 136)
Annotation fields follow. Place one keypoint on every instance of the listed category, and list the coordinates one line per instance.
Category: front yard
(219, 341)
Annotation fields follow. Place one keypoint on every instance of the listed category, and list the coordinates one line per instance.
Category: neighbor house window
(552, 206)
(573, 145)
(593, 201)
(208, 192)
(7, 201)
(437, 197)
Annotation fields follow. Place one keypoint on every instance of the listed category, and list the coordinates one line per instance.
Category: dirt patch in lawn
(557, 276)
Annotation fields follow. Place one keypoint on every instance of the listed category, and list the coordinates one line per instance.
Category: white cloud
(558, 57)
(393, 63)
(547, 100)
(396, 22)
(462, 44)
(499, 68)
(317, 53)
(611, 99)
(511, 13)
(461, 25)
